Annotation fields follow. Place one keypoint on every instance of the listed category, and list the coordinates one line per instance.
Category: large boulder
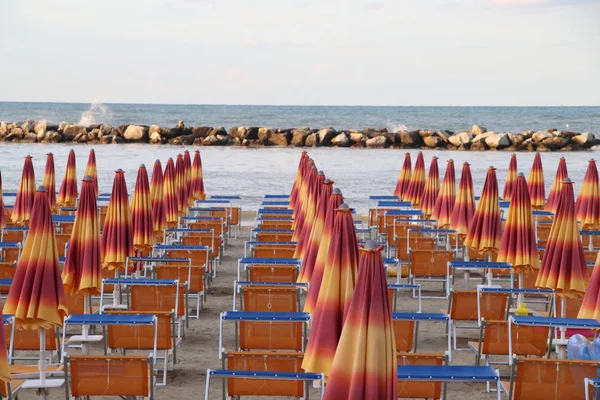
(434, 141)
(53, 137)
(15, 134)
(94, 134)
(539, 137)
(62, 126)
(156, 138)
(299, 136)
(136, 133)
(480, 138)
(280, 139)
(3, 129)
(410, 139)
(29, 137)
(585, 140)
(210, 141)
(264, 134)
(180, 125)
(555, 143)
(200, 131)
(341, 140)
(478, 130)
(70, 131)
(311, 140)
(497, 141)
(372, 133)
(357, 137)
(444, 134)
(376, 142)
(516, 138)
(461, 139)
(325, 136)
(28, 126)
(426, 133)
(40, 127)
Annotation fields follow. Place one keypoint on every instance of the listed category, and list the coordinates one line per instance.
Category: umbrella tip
(337, 191)
(120, 171)
(321, 173)
(41, 188)
(326, 181)
(87, 178)
(344, 206)
(370, 245)
(450, 160)
(142, 166)
(567, 180)
(157, 160)
(521, 175)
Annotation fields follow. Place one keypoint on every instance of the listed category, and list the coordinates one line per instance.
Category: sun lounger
(395, 288)
(430, 266)
(262, 269)
(269, 249)
(14, 233)
(406, 329)
(272, 235)
(420, 389)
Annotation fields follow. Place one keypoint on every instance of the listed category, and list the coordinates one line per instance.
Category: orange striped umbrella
(187, 168)
(157, 198)
(25, 195)
(511, 178)
(82, 272)
(518, 245)
(563, 265)
(444, 204)
(335, 293)
(432, 189)
(117, 234)
(587, 206)
(92, 171)
(464, 206)
(170, 192)
(4, 366)
(415, 188)
(2, 210)
(67, 195)
(297, 181)
(180, 186)
(590, 308)
(141, 214)
(36, 297)
(302, 202)
(535, 183)
(49, 183)
(197, 178)
(364, 366)
(404, 177)
(316, 233)
(561, 175)
(310, 213)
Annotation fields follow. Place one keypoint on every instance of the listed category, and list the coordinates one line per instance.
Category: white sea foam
(393, 127)
(98, 113)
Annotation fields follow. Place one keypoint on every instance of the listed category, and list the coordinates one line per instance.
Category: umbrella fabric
(310, 212)
(404, 177)
(511, 178)
(561, 175)
(563, 265)
(159, 213)
(415, 188)
(316, 234)
(67, 195)
(36, 297)
(364, 366)
(335, 293)
(117, 234)
(590, 308)
(180, 187)
(431, 190)
(91, 170)
(464, 207)
(518, 245)
(442, 212)
(25, 195)
(170, 192)
(587, 206)
(4, 366)
(82, 272)
(49, 183)
(298, 180)
(141, 214)
(485, 229)
(197, 178)
(302, 205)
(535, 183)
(2, 210)
(187, 168)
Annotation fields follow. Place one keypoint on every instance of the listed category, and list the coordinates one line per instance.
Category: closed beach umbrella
(141, 214)
(464, 206)
(157, 198)
(67, 195)
(4, 366)
(92, 171)
(298, 180)
(535, 183)
(587, 206)
(170, 193)
(442, 212)
(117, 234)
(414, 192)
(561, 175)
(49, 182)
(197, 178)
(310, 213)
(82, 272)
(431, 190)
(335, 294)
(187, 167)
(2, 210)
(25, 195)
(404, 177)
(511, 178)
(365, 366)
(302, 202)
(590, 308)
(180, 187)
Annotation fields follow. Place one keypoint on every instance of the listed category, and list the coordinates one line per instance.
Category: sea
(253, 172)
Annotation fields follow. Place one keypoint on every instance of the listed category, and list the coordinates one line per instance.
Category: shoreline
(476, 139)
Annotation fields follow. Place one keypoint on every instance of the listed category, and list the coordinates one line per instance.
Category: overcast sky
(359, 52)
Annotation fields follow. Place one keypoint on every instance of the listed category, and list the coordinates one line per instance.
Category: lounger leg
(207, 384)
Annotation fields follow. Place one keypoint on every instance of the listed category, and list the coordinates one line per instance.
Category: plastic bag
(578, 348)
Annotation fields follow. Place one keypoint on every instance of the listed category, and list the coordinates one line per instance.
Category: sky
(304, 52)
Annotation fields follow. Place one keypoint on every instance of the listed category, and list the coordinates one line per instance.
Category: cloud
(541, 3)
(373, 6)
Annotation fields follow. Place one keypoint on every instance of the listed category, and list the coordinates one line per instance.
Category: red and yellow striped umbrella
(444, 204)
(518, 245)
(535, 183)
(92, 171)
(316, 233)
(187, 167)
(404, 177)
(511, 178)
(141, 214)
(310, 212)
(302, 202)
(25, 195)
(587, 206)
(67, 195)
(180, 186)
(117, 234)
(2, 210)
(335, 293)
(82, 272)
(36, 297)
(464, 206)
(365, 366)
(590, 308)
(298, 180)
(561, 175)
(485, 229)
(49, 183)
(197, 178)
(4, 366)
(563, 265)
(431, 190)
(415, 188)
(157, 198)
(170, 192)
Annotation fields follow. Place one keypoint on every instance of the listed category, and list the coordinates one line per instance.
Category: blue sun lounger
(254, 232)
(397, 287)
(425, 317)
(551, 294)
(10, 245)
(267, 204)
(249, 246)
(277, 196)
(247, 261)
(389, 262)
(239, 285)
(275, 211)
(595, 384)
(23, 229)
(482, 266)
(155, 260)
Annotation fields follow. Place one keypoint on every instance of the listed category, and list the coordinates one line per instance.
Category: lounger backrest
(526, 340)
(29, 339)
(141, 337)
(270, 299)
(424, 389)
(404, 334)
(193, 240)
(198, 257)
(61, 240)
(272, 273)
(13, 235)
(76, 304)
(430, 262)
(573, 306)
(180, 273)
(416, 243)
(103, 212)
(275, 224)
(11, 255)
(398, 227)
(271, 335)
(463, 305)
(274, 237)
(543, 231)
(157, 298)
(234, 215)
(215, 225)
(266, 251)
(7, 271)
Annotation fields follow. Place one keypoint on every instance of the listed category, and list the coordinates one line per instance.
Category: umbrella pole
(520, 298)
(563, 331)
(42, 359)
(490, 274)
